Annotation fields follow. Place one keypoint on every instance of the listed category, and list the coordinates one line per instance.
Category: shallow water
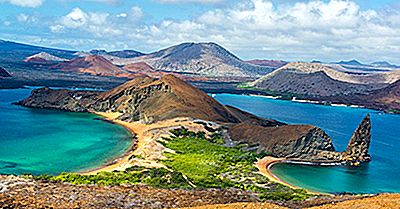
(49, 142)
(380, 175)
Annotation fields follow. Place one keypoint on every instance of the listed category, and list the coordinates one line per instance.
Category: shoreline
(121, 160)
(264, 166)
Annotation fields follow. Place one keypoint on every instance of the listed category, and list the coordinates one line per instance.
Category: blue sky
(325, 30)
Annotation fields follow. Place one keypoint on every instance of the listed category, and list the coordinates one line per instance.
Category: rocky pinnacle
(357, 149)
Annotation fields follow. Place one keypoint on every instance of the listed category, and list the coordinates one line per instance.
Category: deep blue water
(382, 174)
(49, 142)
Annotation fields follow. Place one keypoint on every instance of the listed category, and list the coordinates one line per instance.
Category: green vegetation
(199, 161)
(211, 165)
(157, 177)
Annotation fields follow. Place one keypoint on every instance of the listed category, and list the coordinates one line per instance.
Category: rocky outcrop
(289, 141)
(304, 143)
(357, 150)
(62, 99)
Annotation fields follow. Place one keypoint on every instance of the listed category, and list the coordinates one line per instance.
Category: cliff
(305, 142)
(290, 141)
(62, 99)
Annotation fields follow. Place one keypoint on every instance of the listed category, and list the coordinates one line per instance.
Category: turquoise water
(382, 174)
(49, 142)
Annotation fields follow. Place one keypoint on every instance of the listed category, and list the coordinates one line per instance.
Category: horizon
(296, 30)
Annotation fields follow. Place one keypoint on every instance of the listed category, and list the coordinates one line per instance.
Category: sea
(382, 174)
(37, 141)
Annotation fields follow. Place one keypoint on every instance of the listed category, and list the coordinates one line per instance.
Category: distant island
(209, 67)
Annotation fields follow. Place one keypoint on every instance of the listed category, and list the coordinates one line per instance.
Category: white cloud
(25, 3)
(337, 29)
(307, 30)
(75, 19)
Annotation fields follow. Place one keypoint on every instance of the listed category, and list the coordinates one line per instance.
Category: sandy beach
(145, 143)
(264, 166)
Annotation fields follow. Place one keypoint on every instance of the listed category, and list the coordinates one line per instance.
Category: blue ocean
(35, 141)
(380, 175)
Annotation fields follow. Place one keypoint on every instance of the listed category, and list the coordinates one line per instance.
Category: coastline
(137, 131)
(264, 166)
(145, 150)
(121, 161)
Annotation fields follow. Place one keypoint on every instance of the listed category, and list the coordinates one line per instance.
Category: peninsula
(148, 100)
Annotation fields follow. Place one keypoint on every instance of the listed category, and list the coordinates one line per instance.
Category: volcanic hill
(315, 79)
(93, 65)
(204, 59)
(44, 57)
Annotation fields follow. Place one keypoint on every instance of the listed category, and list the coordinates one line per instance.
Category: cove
(379, 175)
(37, 141)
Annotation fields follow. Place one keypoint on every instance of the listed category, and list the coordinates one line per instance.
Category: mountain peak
(149, 100)
(384, 64)
(206, 59)
(92, 64)
(44, 57)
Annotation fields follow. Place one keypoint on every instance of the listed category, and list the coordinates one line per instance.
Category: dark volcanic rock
(357, 149)
(4, 73)
(62, 99)
(290, 141)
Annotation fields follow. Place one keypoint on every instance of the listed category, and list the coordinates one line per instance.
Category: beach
(264, 166)
(145, 150)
